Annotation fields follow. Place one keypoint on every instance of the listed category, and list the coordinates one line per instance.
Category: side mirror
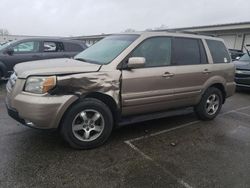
(10, 51)
(237, 58)
(136, 62)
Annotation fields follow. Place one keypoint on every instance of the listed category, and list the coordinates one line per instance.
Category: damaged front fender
(85, 83)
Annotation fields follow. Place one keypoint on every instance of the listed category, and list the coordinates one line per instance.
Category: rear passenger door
(192, 69)
(53, 49)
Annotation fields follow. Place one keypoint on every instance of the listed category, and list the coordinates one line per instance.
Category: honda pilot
(119, 79)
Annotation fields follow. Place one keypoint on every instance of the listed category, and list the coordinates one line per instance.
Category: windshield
(106, 50)
(245, 57)
(5, 45)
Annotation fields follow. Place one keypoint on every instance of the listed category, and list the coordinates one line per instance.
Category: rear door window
(188, 51)
(50, 46)
(218, 51)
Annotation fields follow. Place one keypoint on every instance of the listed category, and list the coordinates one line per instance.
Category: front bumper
(242, 80)
(14, 114)
(38, 111)
(43, 112)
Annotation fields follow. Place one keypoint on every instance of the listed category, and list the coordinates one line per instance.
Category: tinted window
(73, 47)
(49, 46)
(218, 51)
(31, 46)
(187, 51)
(156, 51)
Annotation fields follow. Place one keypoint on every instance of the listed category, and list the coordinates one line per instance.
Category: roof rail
(186, 32)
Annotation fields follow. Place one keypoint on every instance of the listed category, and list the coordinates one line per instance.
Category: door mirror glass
(136, 62)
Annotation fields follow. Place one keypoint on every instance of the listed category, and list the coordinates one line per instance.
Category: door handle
(168, 75)
(206, 71)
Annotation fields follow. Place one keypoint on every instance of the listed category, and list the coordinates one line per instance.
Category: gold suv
(121, 78)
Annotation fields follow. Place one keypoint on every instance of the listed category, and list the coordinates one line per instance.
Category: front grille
(242, 73)
(11, 83)
(242, 76)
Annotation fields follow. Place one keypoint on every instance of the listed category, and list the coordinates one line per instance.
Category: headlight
(40, 85)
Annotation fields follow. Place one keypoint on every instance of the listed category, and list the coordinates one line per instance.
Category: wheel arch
(106, 99)
(219, 86)
(109, 101)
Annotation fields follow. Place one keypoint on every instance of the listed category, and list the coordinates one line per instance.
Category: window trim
(122, 64)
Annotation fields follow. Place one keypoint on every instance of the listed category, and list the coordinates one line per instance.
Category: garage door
(229, 40)
(247, 41)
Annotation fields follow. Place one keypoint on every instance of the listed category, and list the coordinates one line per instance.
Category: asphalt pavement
(178, 151)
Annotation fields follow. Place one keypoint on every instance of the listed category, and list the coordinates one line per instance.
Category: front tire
(87, 124)
(210, 104)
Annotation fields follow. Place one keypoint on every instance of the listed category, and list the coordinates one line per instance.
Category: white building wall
(247, 41)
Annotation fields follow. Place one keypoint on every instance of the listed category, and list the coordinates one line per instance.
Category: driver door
(150, 88)
(23, 51)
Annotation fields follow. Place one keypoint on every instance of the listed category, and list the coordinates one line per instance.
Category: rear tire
(87, 124)
(210, 104)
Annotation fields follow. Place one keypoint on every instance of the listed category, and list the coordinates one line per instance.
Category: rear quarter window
(218, 51)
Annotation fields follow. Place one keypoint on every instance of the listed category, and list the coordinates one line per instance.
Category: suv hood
(244, 65)
(54, 67)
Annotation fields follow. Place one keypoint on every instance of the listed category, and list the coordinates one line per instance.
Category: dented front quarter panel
(105, 82)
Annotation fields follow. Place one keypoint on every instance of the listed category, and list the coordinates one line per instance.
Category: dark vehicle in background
(242, 76)
(236, 54)
(33, 49)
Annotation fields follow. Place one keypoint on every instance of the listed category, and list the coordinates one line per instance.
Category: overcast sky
(87, 17)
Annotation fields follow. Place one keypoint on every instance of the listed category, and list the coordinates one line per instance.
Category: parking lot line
(163, 131)
(185, 125)
(242, 113)
(180, 181)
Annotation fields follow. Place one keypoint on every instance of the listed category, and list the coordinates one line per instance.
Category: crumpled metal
(85, 83)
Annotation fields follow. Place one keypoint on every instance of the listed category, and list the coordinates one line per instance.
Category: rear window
(187, 51)
(218, 51)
